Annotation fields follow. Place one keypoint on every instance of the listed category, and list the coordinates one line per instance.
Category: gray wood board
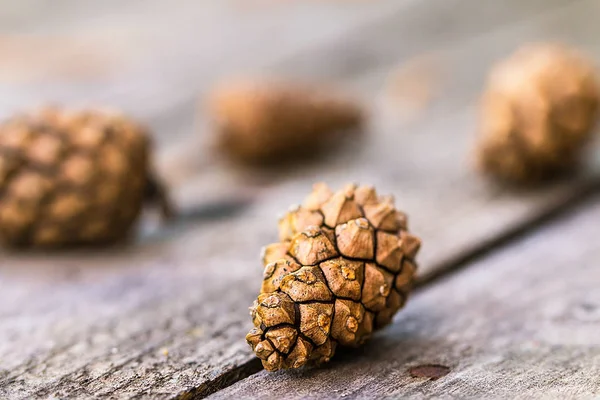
(150, 52)
(150, 58)
(169, 315)
(522, 324)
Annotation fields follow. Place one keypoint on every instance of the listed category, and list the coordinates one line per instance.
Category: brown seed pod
(269, 122)
(72, 178)
(345, 265)
(538, 113)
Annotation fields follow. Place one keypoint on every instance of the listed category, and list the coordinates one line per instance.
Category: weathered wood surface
(168, 314)
(149, 56)
(520, 324)
(152, 58)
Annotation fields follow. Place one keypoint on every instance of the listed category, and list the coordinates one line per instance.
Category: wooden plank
(522, 323)
(340, 54)
(208, 40)
(426, 163)
(152, 53)
(168, 316)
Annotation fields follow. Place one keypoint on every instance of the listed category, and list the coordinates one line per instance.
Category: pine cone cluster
(70, 177)
(343, 267)
(267, 122)
(539, 111)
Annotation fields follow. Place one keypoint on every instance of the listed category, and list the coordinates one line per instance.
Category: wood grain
(522, 323)
(168, 315)
(149, 57)
(159, 60)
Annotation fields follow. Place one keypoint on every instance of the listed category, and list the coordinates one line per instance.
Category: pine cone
(343, 268)
(71, 178)
(266, 123)
(539, 110)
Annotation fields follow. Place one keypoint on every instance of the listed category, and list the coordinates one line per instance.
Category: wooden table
(508, 300)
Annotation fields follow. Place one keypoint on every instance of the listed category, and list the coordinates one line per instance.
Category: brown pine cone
(539, 111)
(71, 177)
(343, 268)
(267, 123)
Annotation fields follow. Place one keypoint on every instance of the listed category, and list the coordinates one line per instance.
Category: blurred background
(418, 66)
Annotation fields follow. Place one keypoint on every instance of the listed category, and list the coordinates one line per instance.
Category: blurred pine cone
(267, 123)
(539, 110)
(71, 178)
(343, 268)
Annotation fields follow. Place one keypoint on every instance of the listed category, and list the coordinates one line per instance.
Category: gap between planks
(221, 379)
(441, 272)
(520, 323)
